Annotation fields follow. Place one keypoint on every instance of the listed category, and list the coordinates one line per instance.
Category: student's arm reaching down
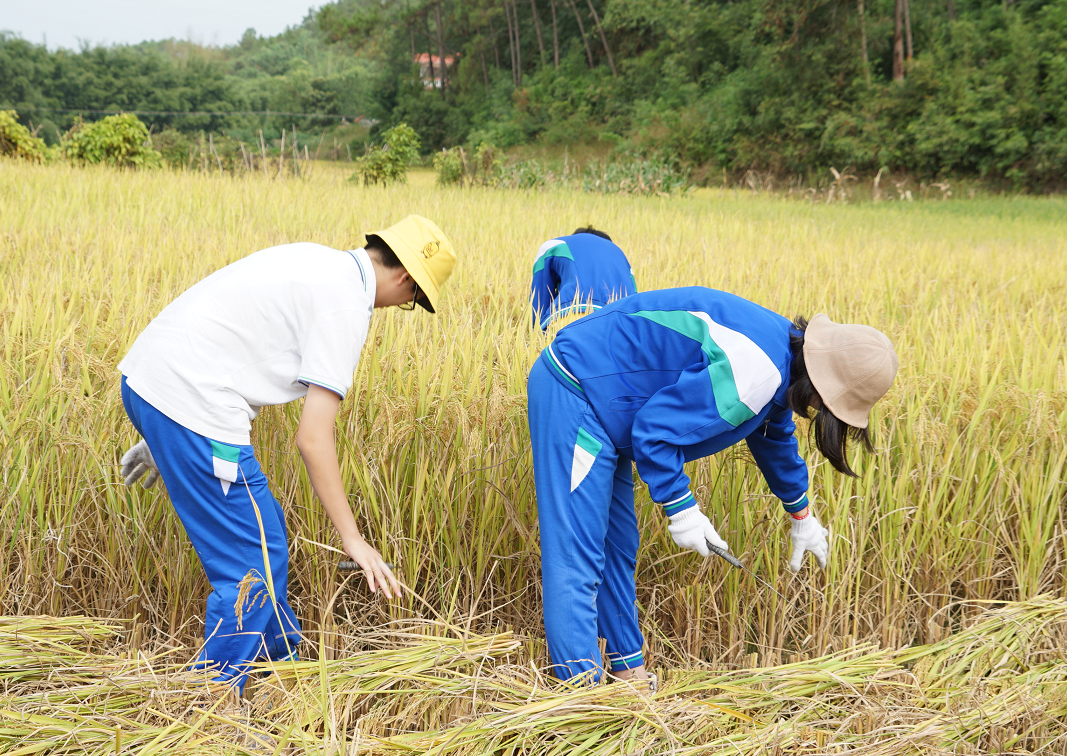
(315, 440)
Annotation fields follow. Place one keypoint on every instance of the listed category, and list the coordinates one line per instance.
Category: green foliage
(487, 164)
(451, 166)
(774, 86)
(205, 152)
(527, 174)
(388, 163)
(294, 72)
(356, 26)
(428, 113)
(486, 168)
(16, 140)
(118, 140)
(633, 175)
(49, 131)
(156, 77)
(652, 177)
(176, 148)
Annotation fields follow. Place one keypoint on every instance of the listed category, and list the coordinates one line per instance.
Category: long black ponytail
(831, 434)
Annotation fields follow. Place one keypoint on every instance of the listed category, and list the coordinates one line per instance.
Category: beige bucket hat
(425, 251)
(851, 366)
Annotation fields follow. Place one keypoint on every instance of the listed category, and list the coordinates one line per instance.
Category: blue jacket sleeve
(678, 415)
(774, 445)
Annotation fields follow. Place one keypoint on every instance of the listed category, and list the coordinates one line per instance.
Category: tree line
(786, 88)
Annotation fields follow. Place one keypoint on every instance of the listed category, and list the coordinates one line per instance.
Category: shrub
(486, 169)
(17, 141)
(175, 147)
(487, 164)
(451, 166)
(118, 140)
(526, 174)
(388, 163)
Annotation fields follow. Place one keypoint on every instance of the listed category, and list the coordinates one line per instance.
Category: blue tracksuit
(229, 536)
(578, 273)
(660, 378)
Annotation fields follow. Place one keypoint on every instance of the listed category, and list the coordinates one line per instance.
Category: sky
(62, 23)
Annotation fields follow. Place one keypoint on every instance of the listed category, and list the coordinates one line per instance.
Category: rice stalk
(996, 686)
(962, 505)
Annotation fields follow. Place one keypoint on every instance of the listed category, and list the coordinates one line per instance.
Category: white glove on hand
(809, 535)
(689, 529)
(138, 461)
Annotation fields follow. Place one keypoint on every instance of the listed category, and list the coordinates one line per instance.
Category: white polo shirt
(255, 333)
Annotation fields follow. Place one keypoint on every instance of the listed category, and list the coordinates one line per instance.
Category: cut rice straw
(998, 685)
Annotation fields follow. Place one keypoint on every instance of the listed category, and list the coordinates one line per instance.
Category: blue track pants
(589, 537)
(219, 517)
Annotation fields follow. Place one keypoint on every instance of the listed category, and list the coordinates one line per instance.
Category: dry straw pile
(996, 687)
(963, 502)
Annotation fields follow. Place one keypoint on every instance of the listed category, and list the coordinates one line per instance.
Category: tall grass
(964, 498)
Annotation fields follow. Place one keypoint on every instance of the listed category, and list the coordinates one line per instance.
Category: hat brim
(424, 303)
(409, 258)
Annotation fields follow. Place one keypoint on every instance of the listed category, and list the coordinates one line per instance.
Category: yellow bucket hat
(425, 251)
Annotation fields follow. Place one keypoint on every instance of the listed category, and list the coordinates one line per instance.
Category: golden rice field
(936, 628)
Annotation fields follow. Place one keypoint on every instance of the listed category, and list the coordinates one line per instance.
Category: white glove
(138, 461)
(809, 535)
(690, 528)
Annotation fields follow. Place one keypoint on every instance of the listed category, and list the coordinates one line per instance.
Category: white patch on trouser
(226, 472)
(580, 466)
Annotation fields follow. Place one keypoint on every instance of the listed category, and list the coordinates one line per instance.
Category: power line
(191, 112)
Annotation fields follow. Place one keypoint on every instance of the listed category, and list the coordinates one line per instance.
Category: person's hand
(373, 566)
(690, 528)
(809, 535)
(136, 462)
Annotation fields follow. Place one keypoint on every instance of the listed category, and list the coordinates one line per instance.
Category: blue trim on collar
(362, 274)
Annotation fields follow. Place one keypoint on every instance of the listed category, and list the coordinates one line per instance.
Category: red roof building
(433, 81)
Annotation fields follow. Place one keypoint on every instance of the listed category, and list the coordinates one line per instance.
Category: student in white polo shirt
(282, 324)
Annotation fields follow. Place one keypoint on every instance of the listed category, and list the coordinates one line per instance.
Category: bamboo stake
(263, 151)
